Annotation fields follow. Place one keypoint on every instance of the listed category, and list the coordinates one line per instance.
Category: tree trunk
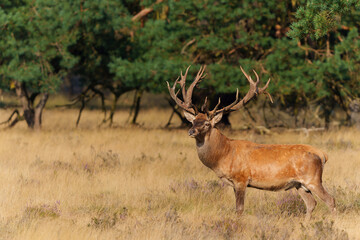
(328, 108)
(38, 110)
(137, 105)
(32, 115)
(264, 115)
(29, 116)
(113, 108)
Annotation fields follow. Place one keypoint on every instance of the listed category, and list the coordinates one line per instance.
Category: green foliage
(103, 31)
(100, 41)
(328, 34)
(317, 18)
(35, 37)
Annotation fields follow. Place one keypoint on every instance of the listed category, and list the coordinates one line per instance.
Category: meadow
(146, 182)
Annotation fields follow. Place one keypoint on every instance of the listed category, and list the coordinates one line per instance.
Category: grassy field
(147, 183)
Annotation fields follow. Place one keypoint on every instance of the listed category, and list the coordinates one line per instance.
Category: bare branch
(144, 12)
(17, 119)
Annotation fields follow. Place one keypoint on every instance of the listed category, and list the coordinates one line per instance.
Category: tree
(105, 30)
(222, 36)
(118, 46)
(318, 69)
(328, 35)
(35, 37)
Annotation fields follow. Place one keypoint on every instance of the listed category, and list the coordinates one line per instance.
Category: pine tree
(34, 56)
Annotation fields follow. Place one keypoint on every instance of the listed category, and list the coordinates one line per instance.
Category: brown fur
(271, 167)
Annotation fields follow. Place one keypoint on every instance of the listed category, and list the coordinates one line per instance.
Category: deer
(241, 163)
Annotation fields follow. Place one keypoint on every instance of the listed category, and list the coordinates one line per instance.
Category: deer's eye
(207, 124)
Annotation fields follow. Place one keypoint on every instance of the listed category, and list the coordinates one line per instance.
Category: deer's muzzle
(192, 132)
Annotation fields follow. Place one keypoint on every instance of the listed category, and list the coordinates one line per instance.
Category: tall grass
(147, 183)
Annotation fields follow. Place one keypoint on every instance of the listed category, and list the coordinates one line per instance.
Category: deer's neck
(212, 147)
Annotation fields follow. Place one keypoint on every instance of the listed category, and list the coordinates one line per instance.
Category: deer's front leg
(239, 190)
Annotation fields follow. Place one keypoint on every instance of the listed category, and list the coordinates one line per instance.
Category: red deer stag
(243, 164)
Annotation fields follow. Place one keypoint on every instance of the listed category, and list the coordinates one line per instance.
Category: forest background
(101, 50)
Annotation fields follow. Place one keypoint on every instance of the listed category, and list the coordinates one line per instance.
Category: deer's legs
(240, 197)
(319, 190)
(309, 200)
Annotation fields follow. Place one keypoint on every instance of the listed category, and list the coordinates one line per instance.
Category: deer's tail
(324, 158)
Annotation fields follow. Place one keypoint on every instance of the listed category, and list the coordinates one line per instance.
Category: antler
(253, 91)
(187, 104)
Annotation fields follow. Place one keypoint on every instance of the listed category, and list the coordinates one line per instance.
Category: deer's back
(273, 166)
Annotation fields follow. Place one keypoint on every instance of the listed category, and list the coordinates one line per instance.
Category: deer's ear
(216, 119)
(189, 116)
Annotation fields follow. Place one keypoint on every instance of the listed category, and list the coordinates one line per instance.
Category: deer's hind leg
(319, 190)
(316, 187)
(309, 200)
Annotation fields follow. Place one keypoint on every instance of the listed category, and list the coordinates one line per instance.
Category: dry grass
(147, 183)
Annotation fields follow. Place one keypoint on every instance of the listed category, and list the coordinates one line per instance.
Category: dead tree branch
(16, 120)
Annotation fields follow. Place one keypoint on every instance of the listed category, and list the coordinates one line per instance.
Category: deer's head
(203, 120)
(201, 123)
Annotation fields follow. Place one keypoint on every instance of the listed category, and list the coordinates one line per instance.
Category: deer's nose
(192, 132)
